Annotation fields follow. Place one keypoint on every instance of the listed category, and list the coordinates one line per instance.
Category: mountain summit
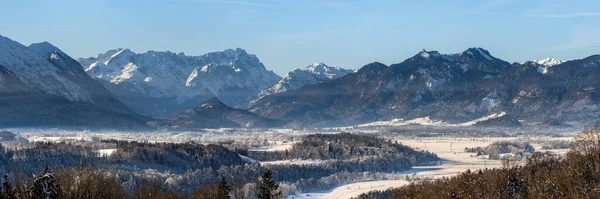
(314, 73)
(162, 84)
(44, 87)
(418, 87)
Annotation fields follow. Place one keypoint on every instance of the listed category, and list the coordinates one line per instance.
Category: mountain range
(43, 87)
(162, 84)
(453, 88)
(314, 73)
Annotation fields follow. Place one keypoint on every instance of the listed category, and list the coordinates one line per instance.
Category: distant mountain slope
(41, 86)
(162, 84)
(298, 78)
(503, 121)
(414, 88)
(214, 114)
(566, 92)
(453, 88)
(544, 64)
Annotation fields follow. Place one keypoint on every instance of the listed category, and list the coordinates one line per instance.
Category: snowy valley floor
(449, 148)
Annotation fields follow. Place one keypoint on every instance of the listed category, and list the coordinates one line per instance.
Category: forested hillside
(131, 168)
(545, 175)
(347, 147)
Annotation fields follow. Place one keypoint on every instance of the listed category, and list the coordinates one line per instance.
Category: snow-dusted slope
(36, 71)
(550, 62)
(545, 64)
(298, 78)
(42, 86)
(161, 84)
(420, 86)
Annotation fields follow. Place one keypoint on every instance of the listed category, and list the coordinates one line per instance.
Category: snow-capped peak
(549, 62)
(546, 64)
(427, 54)
(321, 69)
(232, 53)
(312, 74)
(316, 64)
(175, 80)
(318, 68)
(122, 51)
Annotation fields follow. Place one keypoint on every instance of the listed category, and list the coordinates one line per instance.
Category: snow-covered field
(105, 152)
(353, 190)
(274, 146)
(451, 150)
(294, 162)
(425, 121)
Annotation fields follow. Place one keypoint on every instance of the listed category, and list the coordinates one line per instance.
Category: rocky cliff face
(162, 84)
(298, 78)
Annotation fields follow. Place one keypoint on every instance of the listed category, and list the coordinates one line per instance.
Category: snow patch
(127, 73)
(426, 54)
(465, 67)
(470, 53)
(549, 62)
(484, 54)
(113, 56)
(487, 103)
(204, 69)
(193, 76)
(546, 64)
(105, 152)
(54, 56)
(275, 146)
(293, 162)
(426, 121)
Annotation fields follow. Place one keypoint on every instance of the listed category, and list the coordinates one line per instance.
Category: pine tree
(43, 186)
(268, 187)
(7, 189)
(223, 192)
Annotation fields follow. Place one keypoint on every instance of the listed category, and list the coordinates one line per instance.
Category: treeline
(185, 168)
(88, 183)
(173, 157)
(494, 150)
(347, 147)
(558, 144)
(545, 175)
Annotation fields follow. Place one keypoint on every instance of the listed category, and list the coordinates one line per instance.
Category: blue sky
(287, 34)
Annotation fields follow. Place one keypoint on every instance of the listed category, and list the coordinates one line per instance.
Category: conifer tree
(223, 192)
(268, 187)
(7, 190)
(43, 186)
